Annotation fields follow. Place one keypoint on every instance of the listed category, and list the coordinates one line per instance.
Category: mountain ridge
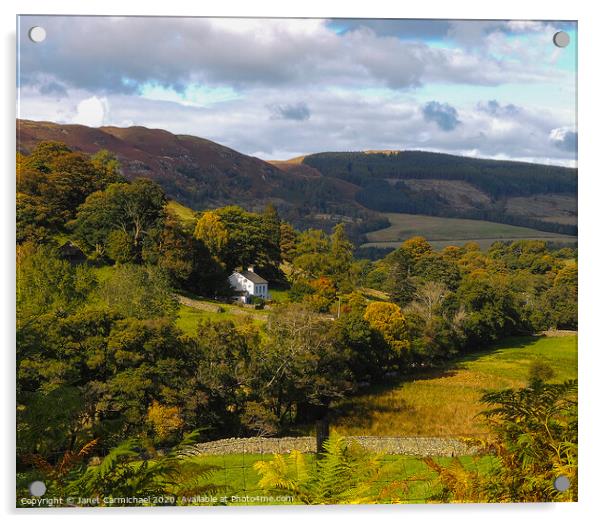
(315, 189)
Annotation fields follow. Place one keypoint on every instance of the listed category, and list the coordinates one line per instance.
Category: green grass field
(189, 317)
(279, 295)
(445, 402)
(186, 214)
(237, 476)
(452, 231)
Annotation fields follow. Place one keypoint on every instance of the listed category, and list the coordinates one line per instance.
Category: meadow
(445, 401)
(189, 317)
(414, 480)
(441, 232)
(186, 214)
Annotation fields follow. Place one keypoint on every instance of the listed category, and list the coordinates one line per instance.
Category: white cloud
(341, 120)
(92, 112)
(122, 54)
(279, 88)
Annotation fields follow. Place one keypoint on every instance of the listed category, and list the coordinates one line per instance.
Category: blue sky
(278, 88)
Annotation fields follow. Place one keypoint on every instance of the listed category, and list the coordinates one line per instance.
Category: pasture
(189, 317)
(445, 401)
(453, 231)
(186, 214)
(404, 478)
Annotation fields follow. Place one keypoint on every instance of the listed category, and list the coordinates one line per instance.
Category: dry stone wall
(415, 446)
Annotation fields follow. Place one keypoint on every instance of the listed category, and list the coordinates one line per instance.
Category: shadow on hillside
(515, 342)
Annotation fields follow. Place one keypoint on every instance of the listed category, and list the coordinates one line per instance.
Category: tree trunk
(322, 432)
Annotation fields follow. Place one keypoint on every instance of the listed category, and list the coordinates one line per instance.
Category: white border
(590, 174)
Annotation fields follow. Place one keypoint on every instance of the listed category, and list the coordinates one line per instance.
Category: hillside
(319, 190)
(543, 197)
(441, 232)
(202, 174)
(194, 171)
(497, 178)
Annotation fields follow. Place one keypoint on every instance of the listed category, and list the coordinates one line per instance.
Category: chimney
(251, 268)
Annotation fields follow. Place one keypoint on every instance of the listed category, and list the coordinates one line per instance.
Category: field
(189, 317)
(181, 211)
(445, 402)
(238, 477)
(453, 231)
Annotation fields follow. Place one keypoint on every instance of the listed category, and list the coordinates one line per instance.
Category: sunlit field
(446, 401)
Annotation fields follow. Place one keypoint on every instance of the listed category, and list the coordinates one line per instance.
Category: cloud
(122, 54)
(369, 84)
(403, 29)
(340, 121)
(564, 138)
(494, 108)
(91, 111)
(467, 31)
(298, 111)
(444, 115)
(53, 88)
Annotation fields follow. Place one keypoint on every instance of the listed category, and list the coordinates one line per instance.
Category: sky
(280, 88)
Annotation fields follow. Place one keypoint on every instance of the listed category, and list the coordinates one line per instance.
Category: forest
(494, 177)
(381, 178)
(101, 359)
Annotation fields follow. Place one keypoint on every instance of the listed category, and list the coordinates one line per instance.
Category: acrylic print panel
(295, 261)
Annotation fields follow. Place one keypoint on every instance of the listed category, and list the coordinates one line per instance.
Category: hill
(419, 182)
(497, 178)
(319, 190)
(194, 171)
(200, 174)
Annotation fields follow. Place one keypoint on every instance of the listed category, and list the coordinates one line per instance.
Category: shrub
(165, 421)
(535, 441)
(345, 473)
(540, 371)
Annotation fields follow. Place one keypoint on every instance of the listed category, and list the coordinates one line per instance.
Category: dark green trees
(238, 238)
(52, 182)
(118, 219)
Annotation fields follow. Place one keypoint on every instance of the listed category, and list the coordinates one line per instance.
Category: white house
(249, 283)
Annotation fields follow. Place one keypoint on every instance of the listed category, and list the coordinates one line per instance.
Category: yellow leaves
(381, 314)
(212, 232)
(283, 472)
(165, 421)
(417, 246)
(388, 319)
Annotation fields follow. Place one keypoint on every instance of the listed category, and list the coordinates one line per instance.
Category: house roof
(252, 276)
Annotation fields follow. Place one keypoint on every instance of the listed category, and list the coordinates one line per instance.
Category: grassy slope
(445, 402)
(452, 230)
(185, 214)
(559, 208)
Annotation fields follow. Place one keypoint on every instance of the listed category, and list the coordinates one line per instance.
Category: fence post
(322, 431)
